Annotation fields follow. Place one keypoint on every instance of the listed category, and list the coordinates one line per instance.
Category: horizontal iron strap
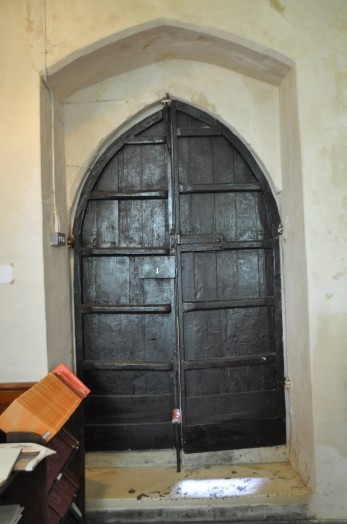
(126, 308)
(127, 195)
(135, 397)
(249, 244)
(139, 140)
(123, 251)
(199, 239)
(127, 424)
(127, 365)
(228, 304)
(201, 247)
(223, 246)
(198, 131)
(219, 188)
(254, 360)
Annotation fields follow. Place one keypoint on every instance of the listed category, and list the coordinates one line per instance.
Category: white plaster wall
(22, 308)
(274, 23)
(323, 128)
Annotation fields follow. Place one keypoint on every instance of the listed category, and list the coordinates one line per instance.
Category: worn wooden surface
(177, 290)
(10, 391)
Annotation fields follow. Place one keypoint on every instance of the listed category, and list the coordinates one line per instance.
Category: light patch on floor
(133, 487)
(217, 488)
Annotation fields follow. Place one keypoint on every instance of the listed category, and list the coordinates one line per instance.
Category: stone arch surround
(163, 40)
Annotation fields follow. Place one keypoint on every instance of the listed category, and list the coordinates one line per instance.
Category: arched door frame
(269, 203)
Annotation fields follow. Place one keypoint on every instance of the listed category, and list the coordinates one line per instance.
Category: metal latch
(175, 240)
(166, 101)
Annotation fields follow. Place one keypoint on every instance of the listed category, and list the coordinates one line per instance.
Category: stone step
(218, 494)
(281, 514)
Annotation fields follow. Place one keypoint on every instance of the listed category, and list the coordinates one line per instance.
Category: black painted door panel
(177, 291)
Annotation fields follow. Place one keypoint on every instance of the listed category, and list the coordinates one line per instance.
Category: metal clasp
(175, 240)
(166, 101)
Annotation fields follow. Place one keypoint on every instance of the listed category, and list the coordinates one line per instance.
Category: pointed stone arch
(161, 40)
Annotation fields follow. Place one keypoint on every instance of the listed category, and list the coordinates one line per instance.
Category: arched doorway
(177, 290)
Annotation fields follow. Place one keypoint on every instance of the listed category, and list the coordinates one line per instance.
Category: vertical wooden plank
(89, 234)
(88, 290)
(190, 383)
(227, 275)
(155, 226)
(107, 224)
(153, 167)
(249, 331)
(90, 333)
(136, 289)
(203, 334)
(157, 291)
(130, 339)
(263, 224)
(132, 170)
(226, 217)
(159, 338)
(109, 178)
(202, 214)
(114, 337)
(156, 129)
(118, 277)
(186, 227)
(242, 171)
(223, 160)
(248, 273)
(205, 276)
(130, 223)
(183, 161)
(100, 228)
(188, 121)
(195, 160)
(239, 274)
(188, 288)
(106, 280)
(246, 216)
(195, 336)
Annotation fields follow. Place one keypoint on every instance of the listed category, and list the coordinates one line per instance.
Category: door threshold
(228, 488)
(167, 457)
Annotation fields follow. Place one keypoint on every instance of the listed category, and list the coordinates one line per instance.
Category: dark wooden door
(177, 290)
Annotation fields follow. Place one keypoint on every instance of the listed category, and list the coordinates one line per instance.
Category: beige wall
(22, 308)
(274, 71)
